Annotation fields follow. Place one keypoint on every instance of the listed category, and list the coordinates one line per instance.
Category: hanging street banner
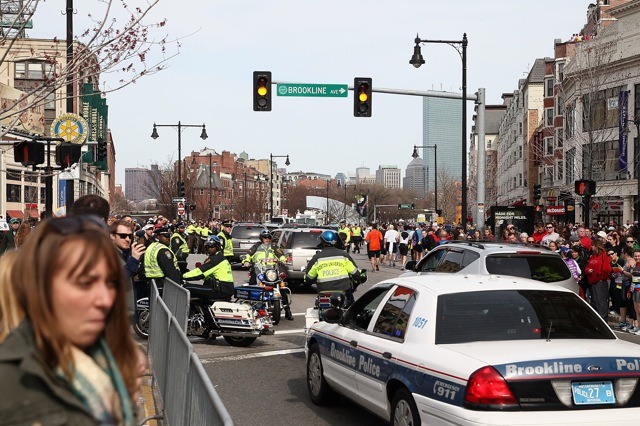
(623, 106)
(313, 90)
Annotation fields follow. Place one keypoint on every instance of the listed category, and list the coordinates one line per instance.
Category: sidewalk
(150, 403)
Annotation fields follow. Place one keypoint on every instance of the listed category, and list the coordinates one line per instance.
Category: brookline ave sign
(313, 90)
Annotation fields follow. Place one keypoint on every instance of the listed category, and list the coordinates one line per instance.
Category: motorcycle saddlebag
(233, 315)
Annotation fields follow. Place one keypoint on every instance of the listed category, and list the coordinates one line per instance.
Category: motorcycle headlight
(271, 275)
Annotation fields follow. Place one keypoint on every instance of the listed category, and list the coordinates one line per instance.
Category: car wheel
(404, 411)
(319, 390)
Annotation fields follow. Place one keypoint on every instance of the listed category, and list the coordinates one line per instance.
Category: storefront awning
(521, 202)
(15, 214)
(34, 214)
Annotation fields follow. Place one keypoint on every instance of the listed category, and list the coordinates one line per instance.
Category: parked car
(245, 235)
(299, 244)
(474, 350)
(469, 257)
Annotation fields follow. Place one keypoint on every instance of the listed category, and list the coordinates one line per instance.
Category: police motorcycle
(270, 293)
(211, 315)
(332, 304)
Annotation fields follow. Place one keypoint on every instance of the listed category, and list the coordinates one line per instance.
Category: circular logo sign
(70, 127)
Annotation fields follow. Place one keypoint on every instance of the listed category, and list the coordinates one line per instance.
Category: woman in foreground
(72, 359)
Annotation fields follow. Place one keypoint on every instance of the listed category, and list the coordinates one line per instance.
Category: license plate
(246, 246)
(592, 393)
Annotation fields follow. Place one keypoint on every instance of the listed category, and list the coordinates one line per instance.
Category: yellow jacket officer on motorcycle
(263, 253)
(215, 271)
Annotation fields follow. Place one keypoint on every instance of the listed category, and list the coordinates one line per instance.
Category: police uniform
(345, 235)
(268, 254)
(217, 270)
(180, 249)
(159, 261)
(331, 269)
(227, 241)
(357, 238)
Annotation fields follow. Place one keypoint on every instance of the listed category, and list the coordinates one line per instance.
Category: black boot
(287, 313)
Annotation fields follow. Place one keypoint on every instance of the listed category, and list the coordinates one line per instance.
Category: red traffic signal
(28, 153)
(67, 154)
(585, 187)
(362, 97)
(262, 90)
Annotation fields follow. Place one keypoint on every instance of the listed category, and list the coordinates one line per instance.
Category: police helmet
(213, 241)
(265, 234)
(329, 238)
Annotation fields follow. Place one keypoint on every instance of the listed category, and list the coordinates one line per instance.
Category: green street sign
(313, 90)
(405, 206)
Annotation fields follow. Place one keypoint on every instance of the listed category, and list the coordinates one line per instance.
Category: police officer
(216, 270)
(226, 239)
(159, 261)
(267, 254)
(192, 235)
(357, 237)
(179, 247)
(263, 252)
(345, 234)
(332, 268)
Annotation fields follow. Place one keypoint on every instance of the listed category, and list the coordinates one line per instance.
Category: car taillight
(486, 387)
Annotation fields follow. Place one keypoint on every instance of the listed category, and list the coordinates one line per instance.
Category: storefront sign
(555, 210)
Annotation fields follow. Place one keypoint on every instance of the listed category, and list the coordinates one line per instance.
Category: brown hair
(40, 257)
(10, 312)
(113, 228)
(21, 233)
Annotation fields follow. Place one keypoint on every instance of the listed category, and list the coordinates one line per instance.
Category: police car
(472, 350)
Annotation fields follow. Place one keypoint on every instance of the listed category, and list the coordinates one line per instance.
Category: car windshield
(548, 269)
(516, 315)
(247, 232)
(306, 240)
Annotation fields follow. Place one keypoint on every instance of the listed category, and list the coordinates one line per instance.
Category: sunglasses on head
(75, 224)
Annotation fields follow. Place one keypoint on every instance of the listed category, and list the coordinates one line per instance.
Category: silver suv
(466, 257)
(298, 245)
(245, 235)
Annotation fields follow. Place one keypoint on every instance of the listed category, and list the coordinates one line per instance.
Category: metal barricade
(188, 396)
(176, 298)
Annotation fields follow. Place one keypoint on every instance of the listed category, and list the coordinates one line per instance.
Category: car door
(339, 344)
(381, 346)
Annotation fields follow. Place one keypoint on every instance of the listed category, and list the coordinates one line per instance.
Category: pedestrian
(8, 238)
(21, 234)
(159, 260)
(391, 238)
(373, 239)
(72, 357)
(598, 270)
(10, 312)
(90, 204)
(403, 247)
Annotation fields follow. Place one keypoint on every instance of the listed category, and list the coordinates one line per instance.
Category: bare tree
(449, 195)
(122, 40)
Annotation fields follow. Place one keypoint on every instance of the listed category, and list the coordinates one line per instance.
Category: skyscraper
(442, 126)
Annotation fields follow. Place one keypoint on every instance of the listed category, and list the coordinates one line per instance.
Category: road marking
(249, 356)
(299, 330)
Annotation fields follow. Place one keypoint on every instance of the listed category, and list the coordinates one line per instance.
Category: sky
(329, 41)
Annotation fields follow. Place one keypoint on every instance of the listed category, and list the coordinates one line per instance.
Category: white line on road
(249, 356)
(299, 330)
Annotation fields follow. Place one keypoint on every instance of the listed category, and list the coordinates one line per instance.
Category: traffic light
(585, 187)
(262, 90)
(181, 190)
(413, 206)
(536, 191)
(67, 154)
(439, 212)
(102, 150)
(361, 97)
(399, 206)
(192, 207)
(28, 153)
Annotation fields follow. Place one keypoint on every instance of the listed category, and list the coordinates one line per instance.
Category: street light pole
(210, 188)
(271, 157)
(417, 60)
(435, 170)
(155, 135)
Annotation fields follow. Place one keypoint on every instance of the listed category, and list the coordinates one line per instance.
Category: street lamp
(155, 135)
(344, 213)
(435, 171)
(327, 218)
(286, 163)
(417, 60)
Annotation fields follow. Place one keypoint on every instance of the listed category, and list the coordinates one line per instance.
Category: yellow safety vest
(151, 266)
(184, 247)
(228, 244)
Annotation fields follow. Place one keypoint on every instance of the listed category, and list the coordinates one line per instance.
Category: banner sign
(361, 205)
(623, 106)
(555, 210)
